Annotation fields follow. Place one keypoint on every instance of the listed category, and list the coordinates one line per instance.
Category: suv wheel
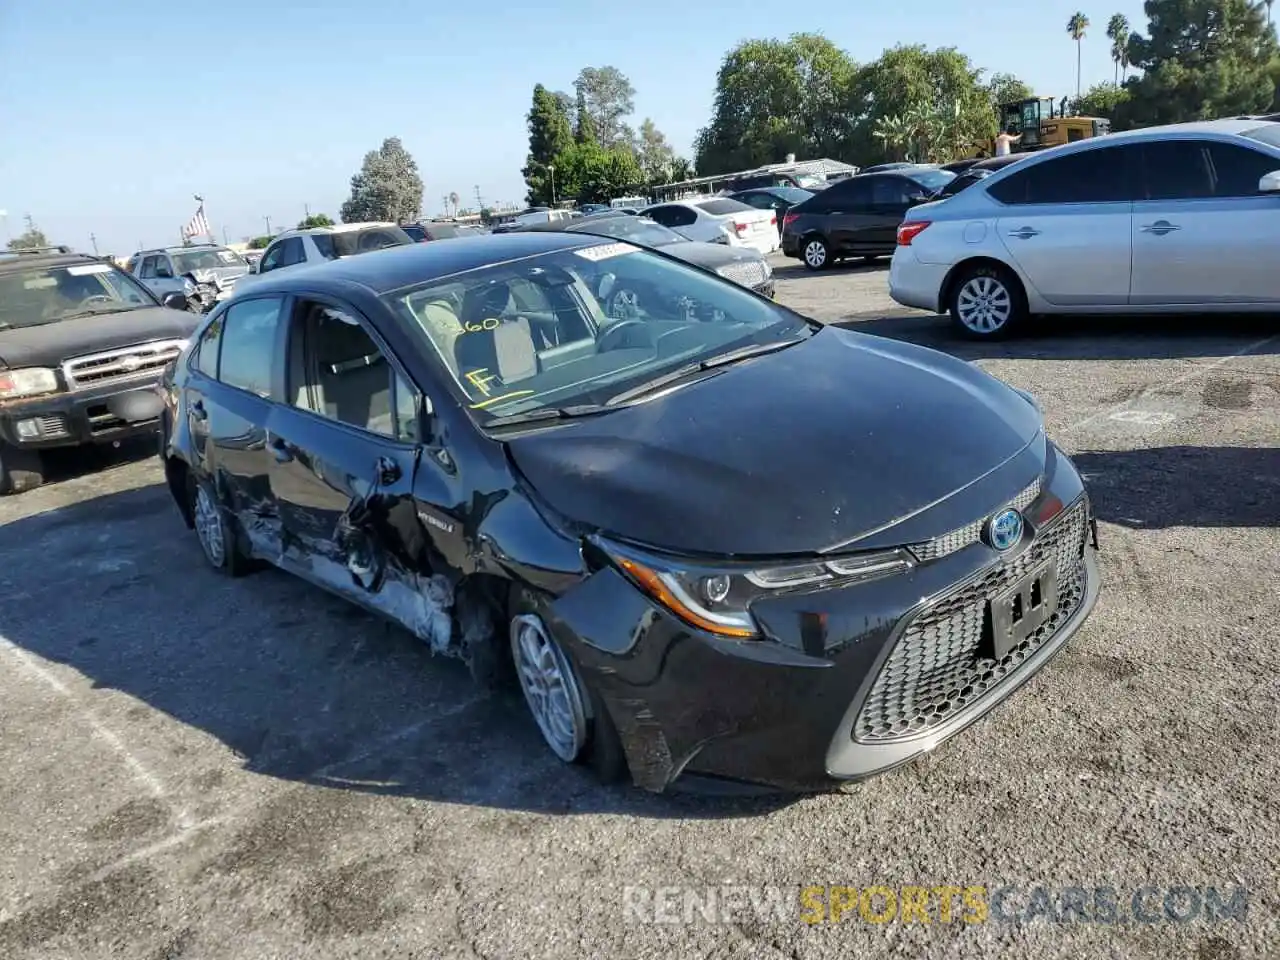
(987, 303)
(815, 253)
(20, 470)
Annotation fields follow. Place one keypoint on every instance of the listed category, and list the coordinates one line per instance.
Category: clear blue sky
(114, 114)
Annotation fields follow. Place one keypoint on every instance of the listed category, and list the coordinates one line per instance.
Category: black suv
(857, 217)
(82, 347)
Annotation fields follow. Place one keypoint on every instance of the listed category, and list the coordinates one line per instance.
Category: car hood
(798, 452)
(49, 344)
(710, 256)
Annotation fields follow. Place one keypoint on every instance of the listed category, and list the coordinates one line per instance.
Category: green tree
(1101, 100)
(1118, 33)
(315, 220)
(387, 187)
(550, 134)
(775, 97)
(1076, 28)
(31, 238)
(584, 127)
(589, 173)
(1200, 59)
(1005, 88)
(681, 170)
(260, 243)
(654, 154)
(608, 98)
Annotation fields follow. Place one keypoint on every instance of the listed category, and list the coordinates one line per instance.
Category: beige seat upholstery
(443, 327)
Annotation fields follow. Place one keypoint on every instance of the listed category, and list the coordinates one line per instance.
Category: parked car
(1174, 219)
(205, 273)
(431, 230)
(718, 220)
(82, 345)
(978, 170)
(857, 217)
(777, 199)
(693, 556)
(297, 248)
(742, 265)
(884, 167)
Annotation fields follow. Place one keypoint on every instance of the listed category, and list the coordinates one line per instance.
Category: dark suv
(82, 346)
(857, 217)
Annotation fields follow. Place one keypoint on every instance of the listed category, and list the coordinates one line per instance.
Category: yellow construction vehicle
(1044, 122)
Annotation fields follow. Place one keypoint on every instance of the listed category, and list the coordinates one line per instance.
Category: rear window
(351, 242)
(931, 179)
(443, 231)
(1268, 133)
(723, 207)
(415, 233)
(793, 194)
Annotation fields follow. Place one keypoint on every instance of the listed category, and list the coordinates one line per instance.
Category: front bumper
(107, 414)
(850, 683)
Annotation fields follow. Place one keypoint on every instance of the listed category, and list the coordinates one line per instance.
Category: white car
(719, 220)
(1174, 219)
(296, 248)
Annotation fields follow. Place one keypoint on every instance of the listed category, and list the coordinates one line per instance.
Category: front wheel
(987, 303)
(817, 256)
(20, 470)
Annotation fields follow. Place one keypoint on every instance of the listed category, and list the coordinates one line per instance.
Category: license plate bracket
(1021, 609)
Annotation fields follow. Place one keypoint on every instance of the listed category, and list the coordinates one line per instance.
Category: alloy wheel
(984, 304)
(550, 687)
(815, 254)
(209, 530)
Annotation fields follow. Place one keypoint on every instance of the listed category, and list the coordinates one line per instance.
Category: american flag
(197, 226)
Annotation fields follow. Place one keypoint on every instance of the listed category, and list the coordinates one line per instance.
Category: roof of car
(12, 261)
(1228, 125)
(394, 267)
(336, 228)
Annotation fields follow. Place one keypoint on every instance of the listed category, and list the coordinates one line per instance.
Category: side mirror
(175, 301)
(1270, 182)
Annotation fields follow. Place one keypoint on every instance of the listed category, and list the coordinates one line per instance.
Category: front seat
(505, 351)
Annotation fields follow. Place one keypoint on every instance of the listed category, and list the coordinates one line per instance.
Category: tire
(20, 470)
(987, 302)
(214, 532)
(572, 718)
(815, 253)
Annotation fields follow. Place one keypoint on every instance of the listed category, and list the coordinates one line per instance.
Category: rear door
(891, 198)
(1202, 232)
(342, 452)
(848, 206)
(1067, 224)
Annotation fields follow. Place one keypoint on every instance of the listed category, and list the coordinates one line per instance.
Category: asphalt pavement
(198, 767)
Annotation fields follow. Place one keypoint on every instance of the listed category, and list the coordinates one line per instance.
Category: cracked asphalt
(243, 770)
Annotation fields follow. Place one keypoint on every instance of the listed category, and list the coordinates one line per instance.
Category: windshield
(635, 229)
(40, 295)
(190, 260)
(723, 207)
(578, 327)
(932, 179)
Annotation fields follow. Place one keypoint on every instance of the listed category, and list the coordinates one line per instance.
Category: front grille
(938, 666)
(53, 425)
(747, 273)
(970, 533)
(143, 360)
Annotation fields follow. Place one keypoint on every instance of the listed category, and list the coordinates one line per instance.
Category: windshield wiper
(114, 308)
(547, 413)
(697, 366)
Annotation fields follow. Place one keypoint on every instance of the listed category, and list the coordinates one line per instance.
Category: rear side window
(1237, 170)
(1176, 170)
(324, 245)
(1091, 176)
(249, 345)
(207, 348)
(352, 242)
(723, 208)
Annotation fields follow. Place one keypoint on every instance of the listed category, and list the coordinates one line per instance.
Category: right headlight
(717, 599)
(27, 382)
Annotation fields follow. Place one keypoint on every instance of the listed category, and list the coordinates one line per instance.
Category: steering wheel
(610, 336)
(95, 298)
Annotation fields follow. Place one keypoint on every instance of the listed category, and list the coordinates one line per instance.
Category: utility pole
(94, 241)
(225, 241)
(306, 209)
(479, 202)
(268, 219)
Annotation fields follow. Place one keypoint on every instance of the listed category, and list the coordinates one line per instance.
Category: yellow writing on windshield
(513, 395)
(481, 382)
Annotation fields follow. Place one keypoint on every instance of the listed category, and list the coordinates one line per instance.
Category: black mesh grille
(937, 667)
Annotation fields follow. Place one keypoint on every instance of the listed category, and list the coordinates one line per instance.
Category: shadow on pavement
(790, 269)
(302, 685)
(1087, 338)
(1184, 486)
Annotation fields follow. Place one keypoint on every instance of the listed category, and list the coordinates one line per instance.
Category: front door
(342, 453)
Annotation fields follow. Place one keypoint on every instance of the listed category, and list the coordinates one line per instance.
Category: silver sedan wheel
(550, 687)
(984, 304)
(815, 253)
(208, 523)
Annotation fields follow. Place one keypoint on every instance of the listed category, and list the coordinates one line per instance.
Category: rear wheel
(987, 303)
(20, 470)
(816, 253)
(214, 531)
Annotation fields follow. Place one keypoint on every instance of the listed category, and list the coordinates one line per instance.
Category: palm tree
(893, 132)
(1118, 32)
(454, 198)
(1268, 3)
(1076, 28)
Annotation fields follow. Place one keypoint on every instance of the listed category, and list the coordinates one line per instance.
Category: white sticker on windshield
(226, 256)
(88, 268)
(39, 283)
(605, 251)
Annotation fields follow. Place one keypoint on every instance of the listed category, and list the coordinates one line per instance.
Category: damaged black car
(711, 539)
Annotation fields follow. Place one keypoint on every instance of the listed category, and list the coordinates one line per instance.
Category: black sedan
(976, 171)
(777, 199)
(724, 541)
(857, 217)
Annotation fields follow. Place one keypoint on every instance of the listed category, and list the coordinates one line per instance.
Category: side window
(249, 345)
(1237, 170)
(271, 259)
(761, 201)
(848, 195)
(660, 215)
(207, 348)
(324, 245)
(528, 297)
(1090, 176)
(1176, 170)
(148, 270)
(681, 217)
(336, 370)
(893, 192)
(163, 269)
(294, 252)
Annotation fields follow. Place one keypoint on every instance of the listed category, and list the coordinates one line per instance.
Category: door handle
(1160, 227)
(198, 411)
(280, 449)
(1024, 233)
(388, 471)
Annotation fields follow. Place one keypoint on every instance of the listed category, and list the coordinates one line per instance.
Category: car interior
(337, 370)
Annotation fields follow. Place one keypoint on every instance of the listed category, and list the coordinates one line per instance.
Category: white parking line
(154, 785)
(1200, 370)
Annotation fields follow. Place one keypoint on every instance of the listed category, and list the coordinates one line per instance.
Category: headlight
(717, 599)
(27, 382)
(188, 287)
